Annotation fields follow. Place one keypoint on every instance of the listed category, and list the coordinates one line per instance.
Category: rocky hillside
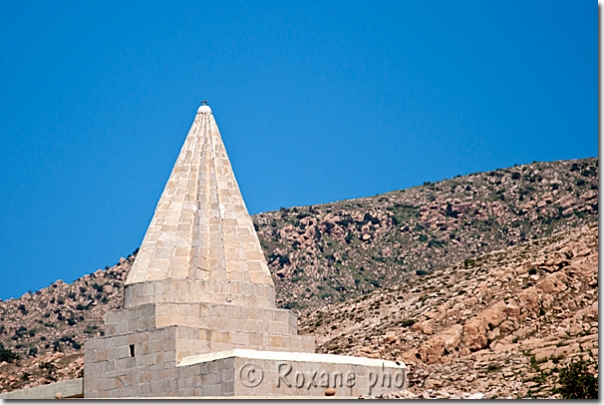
(47, 329)
(503, 324)
(327, 254)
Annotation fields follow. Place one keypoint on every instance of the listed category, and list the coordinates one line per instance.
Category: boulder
(529, 300)
(495, 314)
(474, 333)
(552, 284)
(426, 327)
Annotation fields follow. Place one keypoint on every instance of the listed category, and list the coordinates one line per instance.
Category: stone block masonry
(199, 315)
(192, 291)
(202, 315)
(66, 389)
(258, 373)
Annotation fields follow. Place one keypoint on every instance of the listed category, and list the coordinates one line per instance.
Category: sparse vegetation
(7, 355)
(364, 254)
(577, 382)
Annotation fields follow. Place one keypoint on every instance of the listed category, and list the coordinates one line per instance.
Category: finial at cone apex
(204, 108)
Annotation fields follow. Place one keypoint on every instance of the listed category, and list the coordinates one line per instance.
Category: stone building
(199, 315)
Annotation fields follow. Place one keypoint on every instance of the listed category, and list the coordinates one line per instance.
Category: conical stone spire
(201, 235)
(199, 303)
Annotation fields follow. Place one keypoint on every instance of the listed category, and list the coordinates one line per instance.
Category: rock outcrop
(383, 265)
(503, 324)
(325, 254)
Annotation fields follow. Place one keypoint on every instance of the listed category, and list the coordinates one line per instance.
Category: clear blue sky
(317, 101)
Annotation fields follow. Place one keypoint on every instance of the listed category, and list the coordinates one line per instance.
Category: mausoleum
(199, 315)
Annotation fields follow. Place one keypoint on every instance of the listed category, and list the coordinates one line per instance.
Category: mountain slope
(332, 252)
(503, 324)
(327, 254)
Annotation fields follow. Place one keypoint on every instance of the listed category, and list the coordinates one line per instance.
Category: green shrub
(435, 242)
(7, 355)
(47, 366)
(291, 305)
(374, 283)
(449, 212)
(19, 333)
(576, 382)
(469, 263)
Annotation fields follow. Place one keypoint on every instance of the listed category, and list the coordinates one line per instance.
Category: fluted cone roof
(201, 229)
